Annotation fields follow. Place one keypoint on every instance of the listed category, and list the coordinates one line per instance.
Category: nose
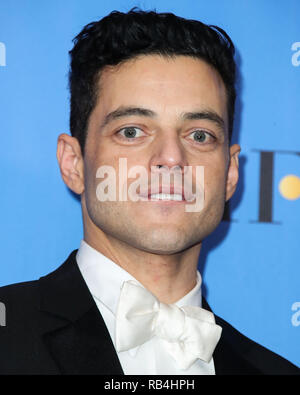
(168, 153)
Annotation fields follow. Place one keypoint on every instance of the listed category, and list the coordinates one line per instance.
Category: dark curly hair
(121, 36)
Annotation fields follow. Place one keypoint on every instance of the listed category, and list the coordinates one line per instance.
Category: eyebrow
(121, 112)
(209, 115)
(125, 112)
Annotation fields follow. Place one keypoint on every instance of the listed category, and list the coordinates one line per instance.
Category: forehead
(165, 85)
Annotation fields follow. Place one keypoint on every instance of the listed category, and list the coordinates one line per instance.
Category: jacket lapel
(228, 361)
(73, 329)
(229, 355)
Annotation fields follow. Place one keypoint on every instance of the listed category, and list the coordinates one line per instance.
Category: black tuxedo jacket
(53, 326)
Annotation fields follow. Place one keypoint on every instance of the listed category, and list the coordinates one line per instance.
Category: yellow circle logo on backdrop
(289, 187)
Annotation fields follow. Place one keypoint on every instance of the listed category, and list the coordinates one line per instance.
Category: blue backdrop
(250, 265)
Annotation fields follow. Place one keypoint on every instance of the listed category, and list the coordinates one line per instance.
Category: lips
(167, 193)
(166, 196)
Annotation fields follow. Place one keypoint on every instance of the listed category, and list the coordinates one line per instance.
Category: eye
(201, 136)
(130, 132)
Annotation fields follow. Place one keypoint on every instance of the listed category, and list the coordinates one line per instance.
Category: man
(154, 93)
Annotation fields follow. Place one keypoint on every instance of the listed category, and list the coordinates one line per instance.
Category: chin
(162, 242)
(161, 249)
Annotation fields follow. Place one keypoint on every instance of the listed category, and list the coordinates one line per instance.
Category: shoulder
(265, 361)
(22, 330)
(19, 323)
(22, 298)
(19, 299)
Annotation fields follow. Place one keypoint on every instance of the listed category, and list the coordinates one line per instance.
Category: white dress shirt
(104, 279)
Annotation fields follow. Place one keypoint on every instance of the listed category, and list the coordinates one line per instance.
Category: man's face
(164, 131)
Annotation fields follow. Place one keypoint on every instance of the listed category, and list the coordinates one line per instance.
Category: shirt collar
(98, 271)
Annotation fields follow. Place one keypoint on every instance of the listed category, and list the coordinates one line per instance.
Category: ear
(233, 171)
(70, 161)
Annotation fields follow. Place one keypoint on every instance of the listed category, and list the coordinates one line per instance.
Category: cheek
(215, 176)
(99, 156)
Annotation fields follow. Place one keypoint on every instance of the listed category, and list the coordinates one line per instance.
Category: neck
(168, 277)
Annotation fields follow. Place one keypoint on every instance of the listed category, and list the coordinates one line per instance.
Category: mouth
(165, 194)
(167, 197)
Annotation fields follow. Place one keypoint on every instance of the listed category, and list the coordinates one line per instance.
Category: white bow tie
(187, 333)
